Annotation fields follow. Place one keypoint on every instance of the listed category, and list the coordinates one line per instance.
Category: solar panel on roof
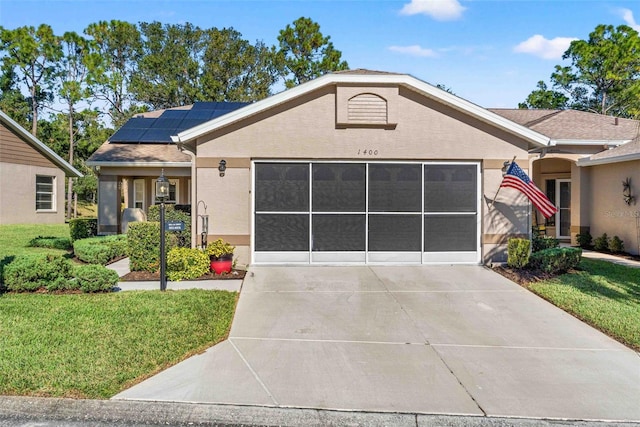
(198, 114)
(206, 105)
(139, 123)
(174, 114)
(188, 124)
(157, 135)
(127, 135)
(164, 123)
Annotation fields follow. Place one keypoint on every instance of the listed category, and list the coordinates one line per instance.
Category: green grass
(15, 238)
(603, 294)
(93, 346)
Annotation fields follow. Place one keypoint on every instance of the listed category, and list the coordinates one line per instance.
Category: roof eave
(608, 160)
(39, 146)
(610, 143)
(140, 164)
(533, 137)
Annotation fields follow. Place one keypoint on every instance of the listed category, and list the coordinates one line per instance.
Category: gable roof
(573, 126)
(360, 76)
(39, 146)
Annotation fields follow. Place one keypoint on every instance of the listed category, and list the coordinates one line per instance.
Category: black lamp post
(162, 194)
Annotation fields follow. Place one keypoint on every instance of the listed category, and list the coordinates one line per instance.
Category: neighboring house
(353, 167)
(32, 177)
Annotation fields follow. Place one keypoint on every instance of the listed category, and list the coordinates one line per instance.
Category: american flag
(518, 179)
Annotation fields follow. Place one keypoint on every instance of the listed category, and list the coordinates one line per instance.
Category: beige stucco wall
(18, 194)
(306, 129)
(609, 213)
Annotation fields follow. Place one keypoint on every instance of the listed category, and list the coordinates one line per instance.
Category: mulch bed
(522, 276)
(136, 276)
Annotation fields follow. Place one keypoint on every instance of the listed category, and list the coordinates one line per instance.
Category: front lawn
(602, 294)
(93, 346)
(14, 239)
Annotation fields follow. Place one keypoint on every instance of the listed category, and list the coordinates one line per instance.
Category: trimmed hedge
(556, 260)
(143, 246)
(29, 273)
(186, 264)
(95, 278)
(616, 245)
(81, 228)
(100, 250)
(601, 244)
(176, 238)
(50, 242)
(539, 243)
(518, 252)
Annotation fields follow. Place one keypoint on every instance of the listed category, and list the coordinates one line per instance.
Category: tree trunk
(70, 182)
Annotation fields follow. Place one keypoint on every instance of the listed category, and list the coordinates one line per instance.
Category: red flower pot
(221, 266)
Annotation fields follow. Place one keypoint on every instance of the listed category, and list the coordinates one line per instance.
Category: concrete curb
(71, 411)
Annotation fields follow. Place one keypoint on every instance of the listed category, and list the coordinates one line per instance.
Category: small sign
(174, 225)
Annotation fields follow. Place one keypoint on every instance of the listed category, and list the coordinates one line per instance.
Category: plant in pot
(221, 256)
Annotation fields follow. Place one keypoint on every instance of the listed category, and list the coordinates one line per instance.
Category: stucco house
(32, 177)
(352, 167)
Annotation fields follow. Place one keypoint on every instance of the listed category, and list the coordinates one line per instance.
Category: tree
(32, 53)
(12, 101)
(543, 98)
(305, 53)
(72, 88)
(235, 70)
(115, 53)
(169, 69)
(603, 76)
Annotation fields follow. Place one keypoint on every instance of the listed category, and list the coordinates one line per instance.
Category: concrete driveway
(419, 339)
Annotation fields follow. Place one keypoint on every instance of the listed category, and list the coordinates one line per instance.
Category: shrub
(186, 263)
(143, 246)
(28, 273)
(100, 250)
(63, 284)
(95, 278)
(616, 245)
(220, 250)
(556, 260)
(601, 244)
(518, 252)
(585, 240)
(540, 243)
(176, 238)
(81, 228)
(50, 242)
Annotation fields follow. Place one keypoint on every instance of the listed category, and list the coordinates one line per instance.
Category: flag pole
(499, 187)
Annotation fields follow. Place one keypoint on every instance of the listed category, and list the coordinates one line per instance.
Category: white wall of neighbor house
(306, 129)
(609, 212)
(18, 195)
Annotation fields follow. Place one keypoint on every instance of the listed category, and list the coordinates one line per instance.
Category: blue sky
(490, 52)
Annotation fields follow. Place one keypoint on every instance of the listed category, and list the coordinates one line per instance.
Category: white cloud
(414, 50)
(547, 49)
(441, 10)
(627, 16)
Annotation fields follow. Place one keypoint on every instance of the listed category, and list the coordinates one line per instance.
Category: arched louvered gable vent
(367, 108)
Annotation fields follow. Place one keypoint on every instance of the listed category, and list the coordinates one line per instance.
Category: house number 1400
(367, 152)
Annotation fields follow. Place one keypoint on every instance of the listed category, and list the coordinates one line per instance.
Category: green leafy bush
(556, 260)
(81, 228)
(28, 273)
(186, 264)
(143, 246)
(220, 250)
(50, 242)
(540, 243)
(616, 245)
(176, 238)
(63, 284)
(518, 252)
(585, 240)
(100, 250)
(601, 244)
(95, 278)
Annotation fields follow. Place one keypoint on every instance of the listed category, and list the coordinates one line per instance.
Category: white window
(138, 193)
(173, 191)
(45, 193)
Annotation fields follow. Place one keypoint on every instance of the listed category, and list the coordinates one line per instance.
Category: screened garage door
(330, 212)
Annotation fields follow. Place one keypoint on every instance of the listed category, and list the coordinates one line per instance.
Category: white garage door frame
(366, 257)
